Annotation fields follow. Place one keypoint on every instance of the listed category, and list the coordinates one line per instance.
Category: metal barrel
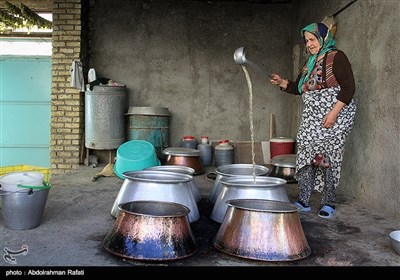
(105, 107)
(150, 124)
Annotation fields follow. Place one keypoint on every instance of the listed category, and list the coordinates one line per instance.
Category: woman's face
(312, 43)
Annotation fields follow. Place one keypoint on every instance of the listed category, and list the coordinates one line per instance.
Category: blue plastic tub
(135, 155)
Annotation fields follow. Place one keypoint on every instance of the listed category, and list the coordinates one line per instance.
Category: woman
(326, 84)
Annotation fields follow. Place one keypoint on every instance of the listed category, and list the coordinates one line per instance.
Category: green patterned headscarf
(326, 41)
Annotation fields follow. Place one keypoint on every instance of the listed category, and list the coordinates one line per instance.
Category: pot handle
(3, 192)
(45, 186)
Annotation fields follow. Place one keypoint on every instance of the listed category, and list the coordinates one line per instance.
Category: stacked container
(205, 152)
(223, 153)
(188, 141)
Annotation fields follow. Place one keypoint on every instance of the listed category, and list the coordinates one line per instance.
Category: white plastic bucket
(11, 181)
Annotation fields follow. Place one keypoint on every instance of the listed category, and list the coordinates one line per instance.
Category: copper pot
(263, 230)
(151, 230)
(183, 157)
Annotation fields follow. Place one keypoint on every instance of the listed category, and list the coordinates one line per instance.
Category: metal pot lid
(173, 168)
(288, 160)
(178, 151)
(238, 169)
(158, 111)
(263, 205)
(157, 176)
(248, 181)
(158, 209)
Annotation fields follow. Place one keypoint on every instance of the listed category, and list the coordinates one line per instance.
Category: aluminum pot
(249, 187)
(24, 209)
(284, 166)
(275, 233)
(232, 170)
(182, 170)
(184, 157)
(151, 230)
(159, 186)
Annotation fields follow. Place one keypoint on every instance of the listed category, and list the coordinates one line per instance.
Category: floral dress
(313, 138)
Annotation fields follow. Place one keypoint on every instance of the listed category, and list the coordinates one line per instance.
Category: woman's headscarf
(326, 41)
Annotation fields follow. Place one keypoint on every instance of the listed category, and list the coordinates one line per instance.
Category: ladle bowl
(239, 56)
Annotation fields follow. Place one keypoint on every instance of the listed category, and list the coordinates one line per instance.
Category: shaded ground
(77, 219)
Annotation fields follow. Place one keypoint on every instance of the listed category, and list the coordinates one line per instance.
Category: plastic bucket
(23, 210)
(281, 146)
(10, 182)
(135, 155)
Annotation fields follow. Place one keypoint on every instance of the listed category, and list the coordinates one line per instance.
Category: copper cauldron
(151, 230)
(262, 230)
(183, 157)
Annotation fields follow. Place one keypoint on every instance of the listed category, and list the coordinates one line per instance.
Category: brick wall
(67, 103)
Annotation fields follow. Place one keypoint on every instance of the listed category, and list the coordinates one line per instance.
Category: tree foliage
(14, 17)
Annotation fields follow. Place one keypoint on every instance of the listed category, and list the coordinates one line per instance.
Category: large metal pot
(284, 166)
(184, 157)
(182, 170)
(24, 209)
(247, 187)
(262, 230)
(151, 230)
(159, 186)
(232, 170)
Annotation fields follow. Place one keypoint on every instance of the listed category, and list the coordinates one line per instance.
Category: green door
(25, 88)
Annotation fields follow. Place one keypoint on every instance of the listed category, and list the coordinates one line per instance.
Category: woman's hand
(277, 80)
(330, 118)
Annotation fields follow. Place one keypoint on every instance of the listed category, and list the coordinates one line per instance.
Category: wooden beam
(26, 35)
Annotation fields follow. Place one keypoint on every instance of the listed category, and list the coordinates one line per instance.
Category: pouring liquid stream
(249, 84)
(255, 66)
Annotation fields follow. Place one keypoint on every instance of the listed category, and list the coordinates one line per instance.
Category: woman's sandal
(302, 208)
(326, 212)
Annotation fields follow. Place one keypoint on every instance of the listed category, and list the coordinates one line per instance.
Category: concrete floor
(77, 218)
